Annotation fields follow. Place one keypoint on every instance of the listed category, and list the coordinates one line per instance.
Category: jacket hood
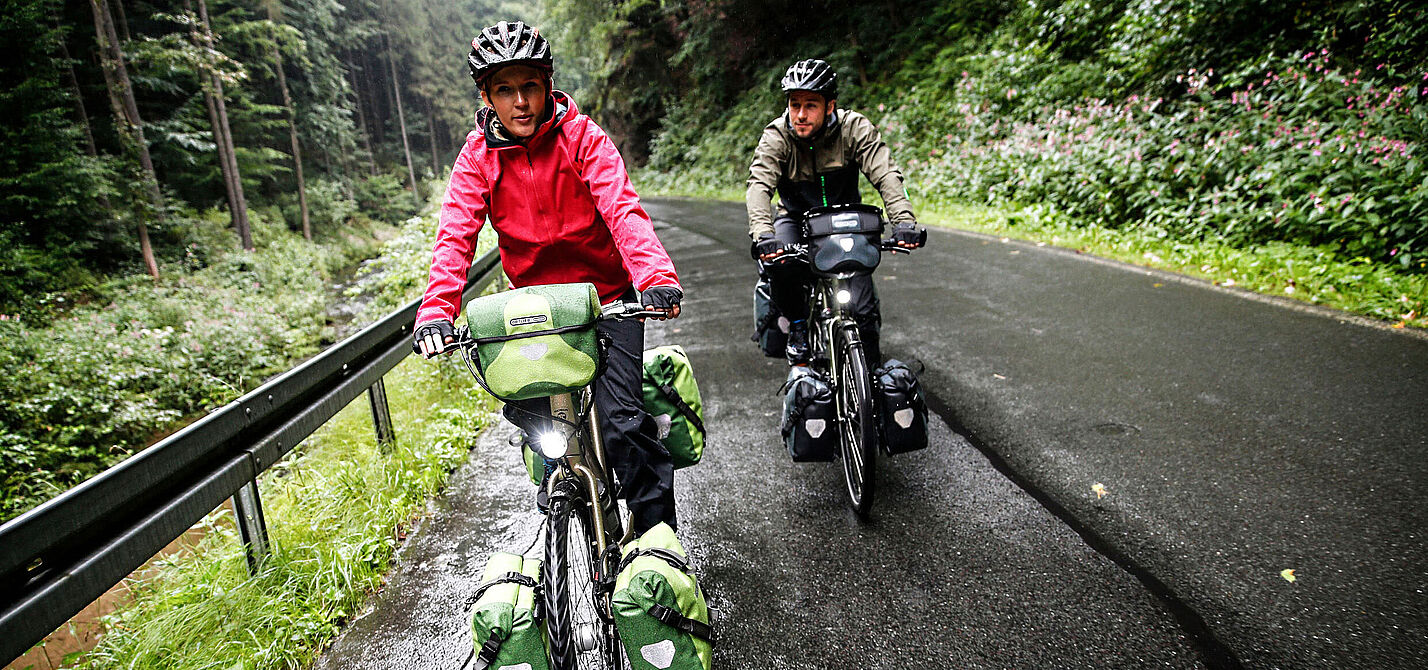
(559, 107)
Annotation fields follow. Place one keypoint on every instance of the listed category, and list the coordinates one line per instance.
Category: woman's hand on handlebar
(664, 299)
(434, 337)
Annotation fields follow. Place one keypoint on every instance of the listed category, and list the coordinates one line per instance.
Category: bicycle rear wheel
(582, 636)
(857, 427)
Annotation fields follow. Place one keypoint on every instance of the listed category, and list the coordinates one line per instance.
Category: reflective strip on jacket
(822, 170)
(562, 206)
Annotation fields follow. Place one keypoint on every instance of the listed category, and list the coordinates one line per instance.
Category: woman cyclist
(555, 189)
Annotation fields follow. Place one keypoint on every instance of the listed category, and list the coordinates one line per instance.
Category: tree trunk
(431, 134)
(362, 126)
(90, 149)
(224, 134)
(123, 22)
(402, 123)
(206, 82)
(128, 122)
(292, 132)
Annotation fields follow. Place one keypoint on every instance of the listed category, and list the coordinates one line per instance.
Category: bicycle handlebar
(621, 311)
(615, 311)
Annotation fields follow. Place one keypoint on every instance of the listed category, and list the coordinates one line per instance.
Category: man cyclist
(555, 189)
(811, 155)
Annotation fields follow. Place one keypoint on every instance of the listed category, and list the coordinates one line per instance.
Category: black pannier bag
(902, 408)
(770, 327)
(810, 423)
(844, 239)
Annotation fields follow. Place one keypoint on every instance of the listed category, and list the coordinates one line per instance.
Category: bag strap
(507, 578)
(673, 618)
(678, 562)
(489, 651)
(535, 333)
(487, 656)
(684, 408)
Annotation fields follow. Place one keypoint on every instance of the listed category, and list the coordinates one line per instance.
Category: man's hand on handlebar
(908, 235)
(662, 299)
(768, 248)
(434, 337)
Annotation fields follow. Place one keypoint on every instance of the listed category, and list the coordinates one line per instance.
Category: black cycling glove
(909, 233)
(434, 333)
(766, 244)
(661, 297)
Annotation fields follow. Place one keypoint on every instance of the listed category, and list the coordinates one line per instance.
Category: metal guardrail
(59, 557)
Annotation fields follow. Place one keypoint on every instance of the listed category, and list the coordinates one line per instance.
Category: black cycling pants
(641, 463)
(790, 282)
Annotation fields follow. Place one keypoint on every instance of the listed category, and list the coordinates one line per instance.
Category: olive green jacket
(821, 171)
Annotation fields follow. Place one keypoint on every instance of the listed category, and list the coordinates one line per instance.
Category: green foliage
(102, 381)
(1297, 152)
(1202, 122)
(335, 509)
(52, 230)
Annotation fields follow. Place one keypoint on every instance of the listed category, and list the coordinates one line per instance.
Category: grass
(336, 511)
(1309, 274)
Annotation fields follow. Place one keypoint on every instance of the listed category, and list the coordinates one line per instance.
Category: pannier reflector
(903, 417)
(815, 427)
(664, 423)
(846, 243)
(659, 654)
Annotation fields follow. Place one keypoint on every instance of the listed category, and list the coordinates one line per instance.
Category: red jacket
(563, 209)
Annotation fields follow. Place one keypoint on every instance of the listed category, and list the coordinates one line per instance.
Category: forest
(180, 179)
(182, 182)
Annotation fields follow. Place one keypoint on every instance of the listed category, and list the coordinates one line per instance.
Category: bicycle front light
(552, 445)
(844, 297)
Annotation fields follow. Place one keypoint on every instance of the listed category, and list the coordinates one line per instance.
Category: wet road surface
(1233, 438)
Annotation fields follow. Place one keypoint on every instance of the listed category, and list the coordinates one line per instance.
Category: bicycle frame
(589, 474)
(826, 314)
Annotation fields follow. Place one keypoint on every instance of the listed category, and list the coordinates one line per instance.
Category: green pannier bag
(672, 398)
(507, 632)
(535, 341)
(659, 608)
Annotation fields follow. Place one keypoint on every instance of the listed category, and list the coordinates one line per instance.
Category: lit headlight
(552, 445)
(844, 296)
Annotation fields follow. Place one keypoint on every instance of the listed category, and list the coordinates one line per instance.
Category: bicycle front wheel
(582, 636)
(857, 427)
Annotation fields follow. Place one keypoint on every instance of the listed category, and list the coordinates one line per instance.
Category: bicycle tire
(580, 637)
(857, 425)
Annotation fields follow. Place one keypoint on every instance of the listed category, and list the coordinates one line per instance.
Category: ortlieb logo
(528, 320)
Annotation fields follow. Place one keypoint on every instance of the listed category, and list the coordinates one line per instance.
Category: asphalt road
(1234, 438)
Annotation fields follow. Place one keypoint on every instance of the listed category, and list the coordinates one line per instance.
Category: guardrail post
(248, 508)
(381, 417)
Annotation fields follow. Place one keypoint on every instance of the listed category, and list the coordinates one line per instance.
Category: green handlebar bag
(659, 608)
(672, 398)
(535, 341)
(506, 628)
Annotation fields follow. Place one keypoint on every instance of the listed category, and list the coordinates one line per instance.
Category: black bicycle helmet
(811, 75)
(508, 43)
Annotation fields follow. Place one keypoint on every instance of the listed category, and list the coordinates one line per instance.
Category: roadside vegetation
(181, 182)
(89, 384)
(1275, 146)
(337, 508)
